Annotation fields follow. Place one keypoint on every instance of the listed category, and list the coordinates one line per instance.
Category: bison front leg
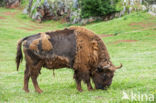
(78, 81)
(89, 86)
(83, 75)
(86, 79)
(26, 78)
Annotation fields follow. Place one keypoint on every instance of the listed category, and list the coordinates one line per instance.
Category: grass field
(130, 40)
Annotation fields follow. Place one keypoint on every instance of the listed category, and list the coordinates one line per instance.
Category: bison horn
(118, 66)
(106, 67)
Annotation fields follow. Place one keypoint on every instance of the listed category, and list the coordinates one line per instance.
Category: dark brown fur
(75, 47)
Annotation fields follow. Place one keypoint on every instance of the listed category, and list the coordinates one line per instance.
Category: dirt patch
(142, 24)
(99, 97)
(106, 35)
(27, 29)
(153, 18)
(31, 28)
(124, 41)
(9, 13)
(1, 17)
(36, 27)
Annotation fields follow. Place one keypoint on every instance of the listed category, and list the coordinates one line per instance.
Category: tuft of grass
(138, 58)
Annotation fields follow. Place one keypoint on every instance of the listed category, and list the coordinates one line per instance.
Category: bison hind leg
(26, 78)
(34, 72)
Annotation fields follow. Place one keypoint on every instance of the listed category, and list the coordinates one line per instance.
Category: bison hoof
(80, 90)
(90, 89)
(39, 91)
(26, 90)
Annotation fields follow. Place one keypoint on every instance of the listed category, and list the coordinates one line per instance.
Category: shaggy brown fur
(34, 45)
(46, 45)
(85, 31)
(103, 52)
(56, 61)
(86, 46)
(94, 45)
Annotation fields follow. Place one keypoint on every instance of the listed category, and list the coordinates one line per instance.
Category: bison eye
(99, 69)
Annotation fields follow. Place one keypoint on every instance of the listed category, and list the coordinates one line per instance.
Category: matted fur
(83, 30)
(104, 57)
(87, 48)
(56, 61)
(97, 42)
(34, 44)
(46, 45)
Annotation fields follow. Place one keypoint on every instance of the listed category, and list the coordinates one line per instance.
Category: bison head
(103, 75)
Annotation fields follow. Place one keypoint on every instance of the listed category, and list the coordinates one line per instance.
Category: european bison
(74, 47)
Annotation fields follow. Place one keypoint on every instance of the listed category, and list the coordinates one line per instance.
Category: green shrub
(1, 3)
(97, 7)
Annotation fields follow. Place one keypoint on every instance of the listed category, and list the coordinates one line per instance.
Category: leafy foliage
(97, 7)
(1, 3)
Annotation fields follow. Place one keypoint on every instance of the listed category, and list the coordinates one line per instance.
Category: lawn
(130, 40)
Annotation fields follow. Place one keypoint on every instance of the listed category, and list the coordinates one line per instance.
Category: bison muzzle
(74, 47)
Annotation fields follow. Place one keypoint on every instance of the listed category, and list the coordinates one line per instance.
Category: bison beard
(74, 47)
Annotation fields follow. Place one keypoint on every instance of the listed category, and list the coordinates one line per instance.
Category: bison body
(74, 47)
(54, 49)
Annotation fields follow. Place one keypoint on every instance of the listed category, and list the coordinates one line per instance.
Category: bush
(97, 7)
(1, 3)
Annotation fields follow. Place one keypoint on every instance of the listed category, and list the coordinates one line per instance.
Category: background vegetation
(99, 8)
(151, 1)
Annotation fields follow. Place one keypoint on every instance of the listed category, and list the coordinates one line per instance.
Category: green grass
(139, 61)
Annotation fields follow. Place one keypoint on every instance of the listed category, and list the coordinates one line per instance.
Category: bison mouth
(101, 87)
(105, 87)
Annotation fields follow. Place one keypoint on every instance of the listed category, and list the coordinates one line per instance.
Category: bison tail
(19, 55)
